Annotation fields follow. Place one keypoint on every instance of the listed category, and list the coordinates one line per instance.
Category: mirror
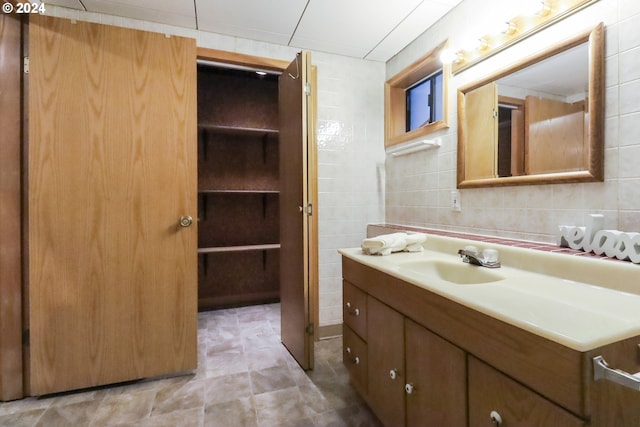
(539, 121)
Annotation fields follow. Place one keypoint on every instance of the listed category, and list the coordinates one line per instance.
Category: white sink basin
(459, 273)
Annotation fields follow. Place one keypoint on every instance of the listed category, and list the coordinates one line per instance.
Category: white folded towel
(385, 244)
(415, 241)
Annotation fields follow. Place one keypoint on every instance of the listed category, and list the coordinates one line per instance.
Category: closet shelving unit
(238, 182)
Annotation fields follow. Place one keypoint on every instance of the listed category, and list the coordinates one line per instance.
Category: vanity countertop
(543, 293)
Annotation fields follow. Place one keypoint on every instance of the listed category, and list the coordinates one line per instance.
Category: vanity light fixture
(535, 16)
(261, 73)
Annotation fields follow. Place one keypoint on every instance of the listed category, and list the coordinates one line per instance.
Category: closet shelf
(238, 191)
(237, 130)
(238, 248)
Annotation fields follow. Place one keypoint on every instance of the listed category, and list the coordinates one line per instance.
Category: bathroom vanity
(431, 341)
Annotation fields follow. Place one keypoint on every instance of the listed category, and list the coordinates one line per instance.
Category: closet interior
(238, 188)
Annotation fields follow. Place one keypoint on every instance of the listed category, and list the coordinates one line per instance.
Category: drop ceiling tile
(358, 24)
(267, 20)
(424, 16)
(71, 4)
(174, 12)
(325, 46)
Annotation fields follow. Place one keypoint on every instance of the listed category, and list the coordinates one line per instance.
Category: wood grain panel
(238, 278)
(555, 138)
(438, 372)
(489, 391)
(10, 211)
(112, 162)
(296, 300)
(354, 314)
(354, 357)
(385, 350)
(480, 159)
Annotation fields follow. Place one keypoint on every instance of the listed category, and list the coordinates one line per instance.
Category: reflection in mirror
(539, 121)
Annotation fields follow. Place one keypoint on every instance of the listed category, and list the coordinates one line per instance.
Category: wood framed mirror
(539, 121)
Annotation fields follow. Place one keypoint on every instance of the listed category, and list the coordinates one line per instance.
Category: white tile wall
(419, 185)
(350, 143)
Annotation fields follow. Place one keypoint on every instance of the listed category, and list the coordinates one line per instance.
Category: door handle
(185, 221)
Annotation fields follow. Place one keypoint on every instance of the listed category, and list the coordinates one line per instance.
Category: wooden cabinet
(453, 366)
(238, 188)
(412, 375)
(493, 395)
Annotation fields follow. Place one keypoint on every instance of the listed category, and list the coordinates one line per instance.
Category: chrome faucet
(489, 257)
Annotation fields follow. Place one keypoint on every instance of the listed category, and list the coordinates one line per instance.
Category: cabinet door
(491, 392)
(386, 375)
(437, 379)
(112, 168)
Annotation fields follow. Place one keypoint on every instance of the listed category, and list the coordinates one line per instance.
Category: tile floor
(245, 377)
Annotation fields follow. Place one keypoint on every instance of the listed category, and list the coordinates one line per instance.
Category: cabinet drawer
(354, 357)
(354, 310)
(492, 392)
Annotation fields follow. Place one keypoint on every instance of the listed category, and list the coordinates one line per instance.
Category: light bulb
(537, 7)
(447, 56)
(508, 27)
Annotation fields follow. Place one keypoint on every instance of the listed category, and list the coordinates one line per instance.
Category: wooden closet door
(112, 167)
(297, 233)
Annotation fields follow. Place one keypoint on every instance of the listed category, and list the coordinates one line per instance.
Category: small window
(424, 102)
(416, 99)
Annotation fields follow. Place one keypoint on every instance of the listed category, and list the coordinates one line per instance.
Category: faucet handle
(490, 255)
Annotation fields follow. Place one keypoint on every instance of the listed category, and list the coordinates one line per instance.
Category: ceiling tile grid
(366, 29)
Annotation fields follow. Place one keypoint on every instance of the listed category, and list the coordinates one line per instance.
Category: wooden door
(10, 208)
(112, 168)
(386, 377)
(481, 149)
(436, 371)
(298, 225)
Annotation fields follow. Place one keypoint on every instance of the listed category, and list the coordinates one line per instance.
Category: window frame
(395, 109)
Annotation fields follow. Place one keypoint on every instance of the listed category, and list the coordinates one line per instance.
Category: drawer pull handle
(393, 374)
(356, 360)
(602, 371)
(495, 418)
(409, 388)
(348, 350)
(355, 311)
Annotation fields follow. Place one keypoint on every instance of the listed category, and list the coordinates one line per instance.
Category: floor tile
(235, 413)
(245, 378)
